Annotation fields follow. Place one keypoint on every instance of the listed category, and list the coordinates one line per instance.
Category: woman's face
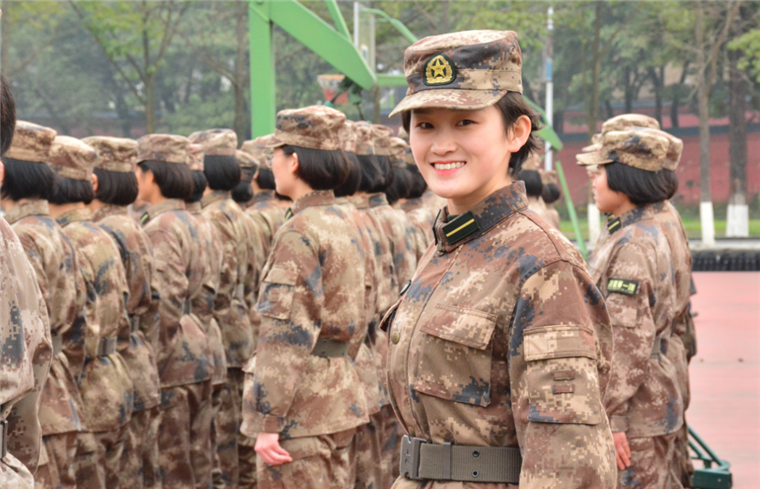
(607, 200)
(464, 154)
(283, 170)
(145, 185)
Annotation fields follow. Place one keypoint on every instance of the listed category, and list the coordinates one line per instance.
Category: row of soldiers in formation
(248, 353)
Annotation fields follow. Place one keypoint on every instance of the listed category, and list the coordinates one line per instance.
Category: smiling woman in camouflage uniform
(500, 343)
(633, 268)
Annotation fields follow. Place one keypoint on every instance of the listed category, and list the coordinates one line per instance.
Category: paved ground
(725, 374)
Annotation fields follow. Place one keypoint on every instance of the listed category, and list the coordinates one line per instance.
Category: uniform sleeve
(556, 362)
(290, 305)
(629, 297)
(170, 268)
(75, 337)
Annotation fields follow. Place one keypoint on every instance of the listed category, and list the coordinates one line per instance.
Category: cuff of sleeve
(619, 423)
(265, 423)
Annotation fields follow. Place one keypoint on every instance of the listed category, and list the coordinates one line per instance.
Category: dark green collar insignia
(460, 228)
(288, 213)
(622, 286)
(144, 218)
(613, 224)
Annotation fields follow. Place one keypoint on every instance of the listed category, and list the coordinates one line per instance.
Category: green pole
(263, 93)
(337, 17)
(571, 210)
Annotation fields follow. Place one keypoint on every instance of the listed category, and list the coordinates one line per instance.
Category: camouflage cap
(548, 176)
(257, 148)
(316, 127)
(195, 156)
(381, 139)
(403, 134)
(216, 142)
(398, 149)
(629, 121)
(245, 160)
(31, 142)
(348, 137)
(645, 150)
(409, 156)
(365, 142)
(462, 70)
(596, 144)
(167, 148)
(675, 149)
(72, 158)
(114, 154)
(532, 162)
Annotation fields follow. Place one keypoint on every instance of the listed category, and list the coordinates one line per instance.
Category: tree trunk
(628, 90)
(610, 110)
(676, 102)
(150, 105)
(5, 40)
(657, 82)
(592, 115)
(703, 99)
(239, 84)
(738, 211)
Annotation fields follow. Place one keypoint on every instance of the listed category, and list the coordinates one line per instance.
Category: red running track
(725, 373)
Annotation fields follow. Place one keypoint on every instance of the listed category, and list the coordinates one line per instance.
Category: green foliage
(749, 45)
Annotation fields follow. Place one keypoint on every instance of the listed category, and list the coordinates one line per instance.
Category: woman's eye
(465, 122)
(425, 125)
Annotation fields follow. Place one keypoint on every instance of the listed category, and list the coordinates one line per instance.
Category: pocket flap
(468, 327)
(559, 342)
(282, 275)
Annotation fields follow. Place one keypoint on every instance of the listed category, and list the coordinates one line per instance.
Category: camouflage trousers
(366, 456)
(683, 468)
(390, 446)
(184, 437)
(247, 459)
(226, 428)
(98, 463)
(319, 462)
(651, 461)
(58, 472)
(140, 458)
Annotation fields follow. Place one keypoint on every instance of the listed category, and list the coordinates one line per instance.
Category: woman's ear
(94, 182)
(294, 165)
(518, 134)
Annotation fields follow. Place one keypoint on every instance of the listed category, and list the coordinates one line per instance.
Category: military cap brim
(592, 158)
(455, 99)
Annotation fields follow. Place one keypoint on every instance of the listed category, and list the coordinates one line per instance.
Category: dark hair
(533, 185)
(26, 180)
(354, 179)
(222, 172)
(641, 186)
(399, 189)
(116, 188)
(512, 106)
(265, 179)
(199, 186)
(386, 170)
(320, 169)
(551, 193)
(371, 179)
(417, 184)
(70, 191)
(174, 180)
(243, 192)
(7, 115)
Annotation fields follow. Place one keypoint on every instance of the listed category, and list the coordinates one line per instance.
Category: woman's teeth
(448, 166)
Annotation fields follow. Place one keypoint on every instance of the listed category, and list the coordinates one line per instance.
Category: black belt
(421, 460)
(134, 324)
(330, 349)
(4, 438)
(106, 346)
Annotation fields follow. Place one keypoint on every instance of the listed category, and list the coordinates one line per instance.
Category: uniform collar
(632, 216)
(32, 207)
(342, 200)
(213, 197)
(360, 201)
(109, 210)
(378, 199)
(75, 215)
(193, 207)
(263, 195)
(478, 220)
(165, 206)
(316, 198)
(413, 204)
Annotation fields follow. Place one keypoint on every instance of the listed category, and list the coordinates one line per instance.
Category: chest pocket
(454, 355)
(562, 378)
(276, 298)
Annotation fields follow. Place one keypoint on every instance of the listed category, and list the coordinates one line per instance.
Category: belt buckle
(409, 465)
(3, 438)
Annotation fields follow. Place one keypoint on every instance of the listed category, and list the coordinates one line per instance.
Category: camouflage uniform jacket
(422, 218)
(230, 309)
(503, 340)
(683, 327)
(137, 257)
(308, 292)
(183, 352)
(105, 384)
(395, 228)
(254, 242)
(366, 362)
(268, 214)
(203, 304)
(26, 352)
(633, 270)
(414, 234)
(55, 263)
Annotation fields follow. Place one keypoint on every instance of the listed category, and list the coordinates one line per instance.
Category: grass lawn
(693, 228)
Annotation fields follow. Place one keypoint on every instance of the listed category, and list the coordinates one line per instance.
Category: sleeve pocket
(277, 294)
(562, 379)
